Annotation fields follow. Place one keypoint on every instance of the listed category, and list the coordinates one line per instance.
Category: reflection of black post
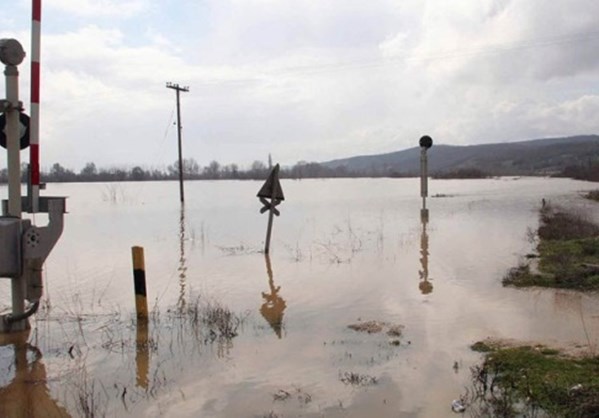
(274, 305)
(425, 285)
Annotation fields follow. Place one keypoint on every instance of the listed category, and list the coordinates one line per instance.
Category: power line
(378, 62)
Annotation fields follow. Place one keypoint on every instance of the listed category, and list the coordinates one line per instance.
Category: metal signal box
(10, 247)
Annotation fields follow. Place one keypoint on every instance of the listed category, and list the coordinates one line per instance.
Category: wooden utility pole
(178, 89)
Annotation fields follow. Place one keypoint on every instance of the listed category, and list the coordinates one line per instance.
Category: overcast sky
(304, 79)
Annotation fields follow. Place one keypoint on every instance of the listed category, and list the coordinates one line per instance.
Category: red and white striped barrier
(34, 128)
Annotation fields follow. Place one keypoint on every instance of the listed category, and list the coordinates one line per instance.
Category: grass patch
(593, 195)
(482, 347)
(568, 254)
(513, 381)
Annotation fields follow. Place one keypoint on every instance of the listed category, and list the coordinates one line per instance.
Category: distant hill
(534, 157)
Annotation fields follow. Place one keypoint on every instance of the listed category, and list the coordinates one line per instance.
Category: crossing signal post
(425, 143)
(271, 190)
(23, 247)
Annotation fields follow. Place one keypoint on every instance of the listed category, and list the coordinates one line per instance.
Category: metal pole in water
(423, 177)
(11, 55)
(425, 143)
(271, 215)
(12, 137)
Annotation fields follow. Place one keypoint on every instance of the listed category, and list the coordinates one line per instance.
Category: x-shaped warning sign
(268, 205)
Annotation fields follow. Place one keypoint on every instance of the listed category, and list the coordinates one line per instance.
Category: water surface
(343, 251)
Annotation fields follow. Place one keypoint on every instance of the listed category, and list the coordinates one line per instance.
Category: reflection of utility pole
(182, 267)
(178, 89)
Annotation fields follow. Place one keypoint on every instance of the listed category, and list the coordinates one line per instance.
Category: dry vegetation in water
(374, 327)
(593, 195)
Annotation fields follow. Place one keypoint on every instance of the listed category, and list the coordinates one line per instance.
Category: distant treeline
(192, 171)
(588, 172)
(259, 170)
(463, 173)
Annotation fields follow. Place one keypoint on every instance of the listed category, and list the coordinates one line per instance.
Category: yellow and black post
(142, 355)
(139, 281)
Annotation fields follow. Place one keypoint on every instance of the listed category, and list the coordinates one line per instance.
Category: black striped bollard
(139, 281)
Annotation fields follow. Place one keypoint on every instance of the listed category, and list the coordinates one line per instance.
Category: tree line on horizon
(259, 171)
(191, 171)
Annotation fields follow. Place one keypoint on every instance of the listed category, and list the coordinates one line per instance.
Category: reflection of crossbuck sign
(268, 205)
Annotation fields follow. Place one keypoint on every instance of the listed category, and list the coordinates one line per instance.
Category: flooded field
(232, 333)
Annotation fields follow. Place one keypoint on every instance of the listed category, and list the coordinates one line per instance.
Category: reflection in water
(274, 305)
(182, 269)
(27, 394)
(573, 302)
(425, 285)
(142, 353)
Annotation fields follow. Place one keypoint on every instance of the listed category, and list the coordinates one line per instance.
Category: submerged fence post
(139, 281)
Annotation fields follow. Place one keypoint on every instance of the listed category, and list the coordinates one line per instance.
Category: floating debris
(281, 395)
(457, 406)
(371, 327)
(302, 397)
(374, 327)
(395, 330)
(357, 379)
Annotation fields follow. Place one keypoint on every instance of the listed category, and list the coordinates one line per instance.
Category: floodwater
(343, 251)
